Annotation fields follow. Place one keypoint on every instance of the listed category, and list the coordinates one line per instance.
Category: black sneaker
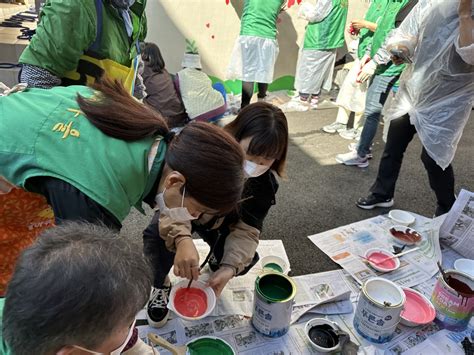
(157, 308)
(371, 201)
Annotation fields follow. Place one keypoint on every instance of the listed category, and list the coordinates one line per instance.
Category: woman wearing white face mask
(262, 131)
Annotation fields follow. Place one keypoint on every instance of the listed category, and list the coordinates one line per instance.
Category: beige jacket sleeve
(172, 231)
(240, 246)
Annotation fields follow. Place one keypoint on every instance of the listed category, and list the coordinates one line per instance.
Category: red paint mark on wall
(208, 25)
(227, 2)
(292, 2)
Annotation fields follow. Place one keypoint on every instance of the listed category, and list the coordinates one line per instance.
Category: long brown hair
(119, 115)
(209, 158)
(267, 126)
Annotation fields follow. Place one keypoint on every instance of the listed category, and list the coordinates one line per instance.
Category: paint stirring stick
(442, 271)
(390, 257)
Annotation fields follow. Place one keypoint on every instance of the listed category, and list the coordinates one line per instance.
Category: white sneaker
(352, 133)
(334, 127)
(353, 148)
(352, 158)
(314, 102)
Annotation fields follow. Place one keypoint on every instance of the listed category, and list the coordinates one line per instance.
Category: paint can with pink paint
(378, 309)
(453, 299)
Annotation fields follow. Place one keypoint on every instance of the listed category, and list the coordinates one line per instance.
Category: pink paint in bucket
(453, 300)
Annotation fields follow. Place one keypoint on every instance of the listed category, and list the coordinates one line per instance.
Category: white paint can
(273, 303)
(378, 310)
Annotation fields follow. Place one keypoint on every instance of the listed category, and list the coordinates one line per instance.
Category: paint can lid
(417, 310)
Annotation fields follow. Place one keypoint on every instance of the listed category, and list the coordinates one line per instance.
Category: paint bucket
(192, 300)
(209, 346)
(274, 263)
(378, 310)
(321, 334)
(453, 301)
(273, 304)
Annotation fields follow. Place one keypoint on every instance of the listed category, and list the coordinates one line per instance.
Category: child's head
(262, 131)
(153, 58)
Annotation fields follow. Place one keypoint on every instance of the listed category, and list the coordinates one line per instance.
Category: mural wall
(215, 24)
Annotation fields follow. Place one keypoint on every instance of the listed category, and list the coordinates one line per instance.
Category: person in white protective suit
(435, 97)
(324, 35)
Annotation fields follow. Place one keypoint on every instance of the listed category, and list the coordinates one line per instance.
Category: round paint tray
(209, 345)
(417, 309)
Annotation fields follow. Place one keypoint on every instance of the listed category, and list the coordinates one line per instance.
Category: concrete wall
(215, 24)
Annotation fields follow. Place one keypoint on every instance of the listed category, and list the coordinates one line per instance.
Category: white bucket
(378, 310)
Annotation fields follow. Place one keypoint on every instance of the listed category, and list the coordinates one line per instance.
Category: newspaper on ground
(345, 245)
(332, 295)
(338, 307)
(457, 231)
(235, 330)
(237, 296)
(317, 289)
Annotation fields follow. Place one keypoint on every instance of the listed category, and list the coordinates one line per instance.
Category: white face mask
(253, 169)
(117, 351)
(179, 214)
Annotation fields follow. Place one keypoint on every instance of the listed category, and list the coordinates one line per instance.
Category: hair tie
(168, 137)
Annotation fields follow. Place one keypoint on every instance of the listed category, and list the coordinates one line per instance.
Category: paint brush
(189, 283)
(175, 350)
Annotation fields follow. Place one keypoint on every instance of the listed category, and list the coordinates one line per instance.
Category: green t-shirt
(373, 14)
(3, 347)
(259, 18)
(329, 33)
(385, 25)
(68, 28)
(44, 134)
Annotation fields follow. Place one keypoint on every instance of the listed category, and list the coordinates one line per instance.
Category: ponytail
(119, 115)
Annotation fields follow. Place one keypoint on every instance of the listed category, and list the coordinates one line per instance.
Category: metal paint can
(454, 309)
(273, 303)
(378, 310)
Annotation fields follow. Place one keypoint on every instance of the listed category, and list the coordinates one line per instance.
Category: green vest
(44, 134)
(259, 18)
(386, 24)
(374, 13)
(3, 347)
(75, 27)
(329, 33)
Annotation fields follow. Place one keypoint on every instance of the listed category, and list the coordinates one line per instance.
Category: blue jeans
(377, 94)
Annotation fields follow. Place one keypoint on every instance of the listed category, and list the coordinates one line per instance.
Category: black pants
(70, 204)
(247, 92)
(400, 134)
(162, 259)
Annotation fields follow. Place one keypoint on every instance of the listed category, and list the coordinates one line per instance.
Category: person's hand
(465, 8)
(220, 278)
(400, 54)
(186, 260)
(367, 71)
(359, 24)
(364, 60)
